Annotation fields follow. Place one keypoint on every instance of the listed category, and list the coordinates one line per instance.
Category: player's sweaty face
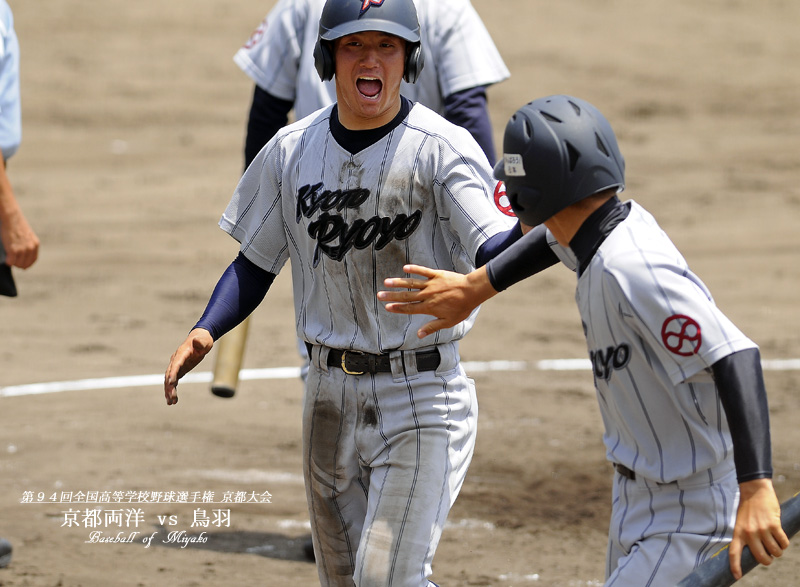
(369, 69)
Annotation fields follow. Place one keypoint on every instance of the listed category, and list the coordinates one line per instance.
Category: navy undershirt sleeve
(238, 292)
(467, 109)
(528, 256)
(496, 244)
(268, 114)
(740, 382)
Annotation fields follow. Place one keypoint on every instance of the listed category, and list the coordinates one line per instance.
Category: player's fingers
(171, 384)
(434, 326)
(775, 541)
(405, 282)
(404, 308)
(735, 558)
(782, 539)
(420, 270)
(398, 296)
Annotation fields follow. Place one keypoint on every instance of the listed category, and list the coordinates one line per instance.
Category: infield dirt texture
(134, 118)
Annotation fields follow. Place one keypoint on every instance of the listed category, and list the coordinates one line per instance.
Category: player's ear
(323, 60)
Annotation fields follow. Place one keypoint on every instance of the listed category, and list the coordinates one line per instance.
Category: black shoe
(5, 552)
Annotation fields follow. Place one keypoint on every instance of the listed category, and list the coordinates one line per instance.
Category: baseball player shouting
(350, 194)
(680, 387)
(462, 61)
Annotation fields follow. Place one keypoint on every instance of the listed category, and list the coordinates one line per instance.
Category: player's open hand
(758, 525)
(196, 346)
(448, 296)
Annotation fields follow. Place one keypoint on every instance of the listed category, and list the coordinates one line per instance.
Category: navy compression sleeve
(740, 382)
(496, 244)
(268, 114)
(238, 292)
(467, 109)
(530, 255)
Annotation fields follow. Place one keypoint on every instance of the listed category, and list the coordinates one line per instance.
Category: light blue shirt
(10, 118)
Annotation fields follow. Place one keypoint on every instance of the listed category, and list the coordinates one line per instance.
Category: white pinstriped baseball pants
(385, 456)
(660, 532)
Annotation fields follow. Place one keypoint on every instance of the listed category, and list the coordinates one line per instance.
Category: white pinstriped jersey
(459, 54)
(653, 331)
(423, 194)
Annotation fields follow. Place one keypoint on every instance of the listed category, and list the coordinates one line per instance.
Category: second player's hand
(446, 295)
(758, 525)
(196, 346)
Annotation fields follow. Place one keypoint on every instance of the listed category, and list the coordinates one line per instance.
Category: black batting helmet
(557, 151)
(345, 17)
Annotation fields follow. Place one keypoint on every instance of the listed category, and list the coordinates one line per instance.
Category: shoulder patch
(681, 335)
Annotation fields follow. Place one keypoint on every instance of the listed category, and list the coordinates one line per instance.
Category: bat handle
(716, 571)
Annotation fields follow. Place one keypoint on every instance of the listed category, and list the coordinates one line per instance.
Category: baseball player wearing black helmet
(679, 386)
(349, 194)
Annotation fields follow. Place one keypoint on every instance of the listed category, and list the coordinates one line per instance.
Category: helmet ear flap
(323, 60)
(415, 61)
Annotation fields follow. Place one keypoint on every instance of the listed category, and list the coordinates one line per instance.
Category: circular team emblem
(681, 335)
(501, 200)
(257, 35)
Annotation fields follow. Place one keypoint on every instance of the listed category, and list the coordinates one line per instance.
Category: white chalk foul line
(294, 372)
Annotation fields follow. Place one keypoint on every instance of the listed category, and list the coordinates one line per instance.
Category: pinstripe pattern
(659, 533)
(459, 53)
(384, 455)
(384, 458)
(662, 414)
(429, 200)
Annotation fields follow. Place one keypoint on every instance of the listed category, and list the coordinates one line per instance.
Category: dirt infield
(133, 124)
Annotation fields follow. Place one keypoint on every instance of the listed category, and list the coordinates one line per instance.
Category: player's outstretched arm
(196, 346)
(446, 295)
(758, 525)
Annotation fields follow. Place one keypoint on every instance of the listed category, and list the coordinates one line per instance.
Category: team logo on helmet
(367, 3)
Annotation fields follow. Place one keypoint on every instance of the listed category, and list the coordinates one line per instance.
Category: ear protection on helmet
(323, 60)
(326, 66)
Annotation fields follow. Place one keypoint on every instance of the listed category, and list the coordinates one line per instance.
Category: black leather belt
(625, 471)
(358, 363)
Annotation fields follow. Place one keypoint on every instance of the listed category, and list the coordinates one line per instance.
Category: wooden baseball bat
(230, 353)
(716, 571)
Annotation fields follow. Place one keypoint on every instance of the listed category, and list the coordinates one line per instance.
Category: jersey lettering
(604, 362)
(310, 199)
(330, 228)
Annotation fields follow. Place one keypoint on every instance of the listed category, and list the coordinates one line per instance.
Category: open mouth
(369, 86)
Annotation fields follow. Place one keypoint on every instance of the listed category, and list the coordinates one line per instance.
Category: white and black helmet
(557, 151)
(346, 17)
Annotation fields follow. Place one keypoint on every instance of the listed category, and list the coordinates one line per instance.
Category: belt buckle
(344, 362)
